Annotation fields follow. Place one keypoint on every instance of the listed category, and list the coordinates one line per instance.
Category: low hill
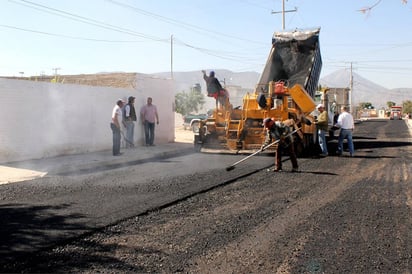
(365, 90)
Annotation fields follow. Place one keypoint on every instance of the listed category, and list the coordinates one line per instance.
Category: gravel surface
(338, 215)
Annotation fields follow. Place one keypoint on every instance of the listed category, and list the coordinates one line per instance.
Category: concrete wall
(162, 92)
(41, 119)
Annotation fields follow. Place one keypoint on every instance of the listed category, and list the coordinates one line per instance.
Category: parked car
(191, 120)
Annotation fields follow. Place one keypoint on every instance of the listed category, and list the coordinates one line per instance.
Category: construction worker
(346, 125)
(215, 89)
(129, 119)
(322, 127)
(116, 127)
(280, 131)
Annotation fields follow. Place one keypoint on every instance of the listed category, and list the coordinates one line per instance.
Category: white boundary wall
(40, 120)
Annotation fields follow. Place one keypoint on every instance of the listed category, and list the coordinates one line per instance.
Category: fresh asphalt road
(41, 212)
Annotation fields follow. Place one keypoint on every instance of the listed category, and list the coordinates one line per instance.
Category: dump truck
(396, 113)
(285, 90)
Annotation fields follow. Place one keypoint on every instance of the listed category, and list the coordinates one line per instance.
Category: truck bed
(294, 58)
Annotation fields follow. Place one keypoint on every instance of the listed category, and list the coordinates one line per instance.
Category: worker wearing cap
(280, 131)
(129, 119)
(322, 127)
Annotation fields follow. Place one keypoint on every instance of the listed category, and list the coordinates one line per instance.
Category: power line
(86, 20)
(180, 23)
(218, 54)
(68, 36)
(232, 56)
(103, 25)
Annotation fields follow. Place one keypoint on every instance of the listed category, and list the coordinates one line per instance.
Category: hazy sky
(90, 36)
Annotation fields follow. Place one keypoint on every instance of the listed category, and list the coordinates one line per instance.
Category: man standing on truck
(214, 88)
(280, 131)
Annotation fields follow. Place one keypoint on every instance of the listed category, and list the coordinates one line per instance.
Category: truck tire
(197, 143)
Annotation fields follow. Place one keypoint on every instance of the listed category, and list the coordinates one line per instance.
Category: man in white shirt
(346, 125)
(115, 126)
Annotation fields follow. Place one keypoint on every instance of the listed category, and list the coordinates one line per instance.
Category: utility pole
(55, 70)
(171, 56)
(54, 80)
(351, 89)
(283, 13)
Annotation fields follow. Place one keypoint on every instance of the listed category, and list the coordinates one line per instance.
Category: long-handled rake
(232, 166)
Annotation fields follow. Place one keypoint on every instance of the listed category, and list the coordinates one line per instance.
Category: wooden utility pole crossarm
(283, 13)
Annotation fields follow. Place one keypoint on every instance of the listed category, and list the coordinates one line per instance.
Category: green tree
(187, 102)
(407, 106)
(366, 105)
(390, 104)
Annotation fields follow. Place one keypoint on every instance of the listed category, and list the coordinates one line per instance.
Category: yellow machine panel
(301, 98)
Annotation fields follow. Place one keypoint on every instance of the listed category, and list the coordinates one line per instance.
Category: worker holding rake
(281, 131)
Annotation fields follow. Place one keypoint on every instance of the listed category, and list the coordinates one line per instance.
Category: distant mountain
(363, 89)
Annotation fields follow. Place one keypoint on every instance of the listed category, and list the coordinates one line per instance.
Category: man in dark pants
(279, 131)
(115, 126)
(129, 118)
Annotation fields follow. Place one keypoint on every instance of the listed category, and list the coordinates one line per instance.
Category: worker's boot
(277, 168)
(278, 162)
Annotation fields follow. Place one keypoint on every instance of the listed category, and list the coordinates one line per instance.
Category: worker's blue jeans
(149, 132)
(116, 139)
(345, 134)
(322, 141)
(129, 133)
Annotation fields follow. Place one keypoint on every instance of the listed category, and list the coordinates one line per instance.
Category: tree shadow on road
(25, 226)
(29, 234)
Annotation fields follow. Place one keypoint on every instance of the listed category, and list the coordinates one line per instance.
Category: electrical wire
(180, 23)
(85, 20)
(70, 37)
(222, 55)
(238, 57)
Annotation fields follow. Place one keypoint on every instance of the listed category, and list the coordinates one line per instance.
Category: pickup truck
(190, 120)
